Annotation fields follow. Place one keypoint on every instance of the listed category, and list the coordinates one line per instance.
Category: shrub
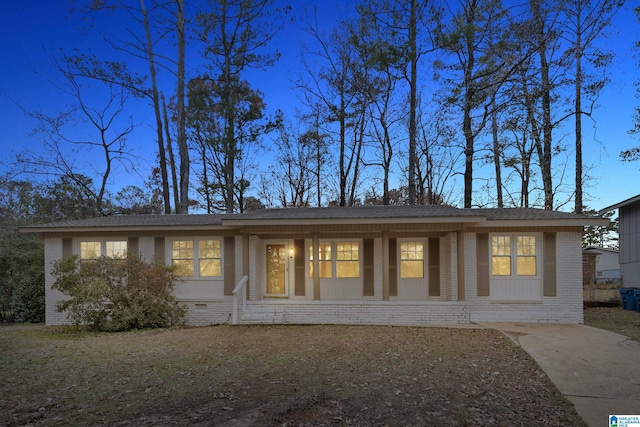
(28, 299)
(118, 294)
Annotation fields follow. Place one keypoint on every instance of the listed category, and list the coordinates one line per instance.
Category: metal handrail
(239, 289)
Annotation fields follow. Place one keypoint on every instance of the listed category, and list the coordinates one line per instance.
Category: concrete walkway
(597, 370)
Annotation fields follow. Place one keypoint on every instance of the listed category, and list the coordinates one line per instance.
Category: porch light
(291, 252)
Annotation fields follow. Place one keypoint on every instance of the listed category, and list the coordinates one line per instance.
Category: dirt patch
(601, 293)
(274, 375)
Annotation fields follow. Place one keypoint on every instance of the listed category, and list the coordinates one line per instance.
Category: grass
(273, 375)
(614, 319)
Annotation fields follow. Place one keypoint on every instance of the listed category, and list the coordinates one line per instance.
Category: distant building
(600, 265)
(629, 227)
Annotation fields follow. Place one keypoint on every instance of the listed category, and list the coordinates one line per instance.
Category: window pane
(89, 250)
(325, 260)
(210, 267)
(411, 260)
(501, 245)
(117, 249)
(209, 248)
(526, 245)
(347, 251)
(501, 266)
(183, 267)
(325, 269)
(325, 251)
(411, 269)
(347, 259)
(209, 260)
(526, 266)
(348, 269)
(182, 249)
(182, 257)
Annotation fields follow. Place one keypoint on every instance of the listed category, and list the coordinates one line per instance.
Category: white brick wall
(566, 307)
(52, 253)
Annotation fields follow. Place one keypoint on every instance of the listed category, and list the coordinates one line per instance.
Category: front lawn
(614, 319)
(273, 375)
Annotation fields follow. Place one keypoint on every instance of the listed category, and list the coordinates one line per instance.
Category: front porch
(367, 312)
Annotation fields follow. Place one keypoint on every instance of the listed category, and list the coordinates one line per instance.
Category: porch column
(460, 262)
(245, 262)
(316, 266)
(385, 266)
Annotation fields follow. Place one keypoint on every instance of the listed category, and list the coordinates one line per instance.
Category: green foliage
(28, 299)
(604, 237)
(21, 257)
(117, 294)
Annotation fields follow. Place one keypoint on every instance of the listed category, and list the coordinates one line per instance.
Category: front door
(276, 270)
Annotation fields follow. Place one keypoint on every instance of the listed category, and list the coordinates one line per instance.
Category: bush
(28, 299)
(118, 294)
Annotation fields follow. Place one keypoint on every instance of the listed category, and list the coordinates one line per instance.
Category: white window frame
(196, 255)
(334, 259)
(103, 247)
(425, 258)
(514, 255)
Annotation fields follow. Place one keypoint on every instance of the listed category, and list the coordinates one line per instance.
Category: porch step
(261, 314)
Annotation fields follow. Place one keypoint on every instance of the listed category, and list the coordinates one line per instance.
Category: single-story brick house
(391, 265)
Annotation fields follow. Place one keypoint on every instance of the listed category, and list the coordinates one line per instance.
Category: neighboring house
(600, 265)
(390, 265)
(629, 242)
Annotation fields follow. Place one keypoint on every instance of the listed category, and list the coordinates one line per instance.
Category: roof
(328, 215)
(357, 214)
(626, 202)
(599, 249)
(150, 221)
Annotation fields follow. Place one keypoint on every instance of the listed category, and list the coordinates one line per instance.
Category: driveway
(597, 370)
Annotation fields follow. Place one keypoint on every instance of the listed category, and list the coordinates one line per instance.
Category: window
(210, 259)
(347, 259)
(526, 265)
(92, 250)
(207, 253)
(502, 261)
(89, 250)
(411, 260)
(324, 260)
(501, 255)
(116, 249)
(345, 263)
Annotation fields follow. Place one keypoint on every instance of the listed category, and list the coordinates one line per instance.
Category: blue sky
(31, 31)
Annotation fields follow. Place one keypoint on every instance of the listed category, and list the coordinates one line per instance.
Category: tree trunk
(156, 107)
(183, 149)
(172, 160)
(469, 137)
(343, 142)
(578, 110)
(496, 150)
(413, 101)
(547, 125)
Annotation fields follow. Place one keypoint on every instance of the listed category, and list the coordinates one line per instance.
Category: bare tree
(585, 23)
(332, 88)
(476, 72)
(236, 34)
(67, 154)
